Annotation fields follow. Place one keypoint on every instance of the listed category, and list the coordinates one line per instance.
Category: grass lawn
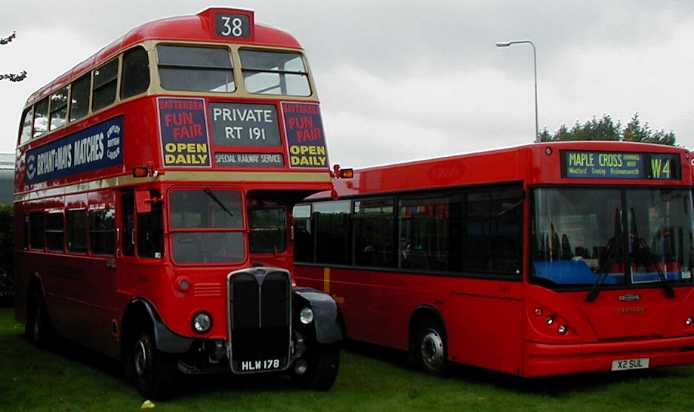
(73, 379)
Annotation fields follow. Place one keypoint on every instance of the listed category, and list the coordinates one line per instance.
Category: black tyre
(38, 327)
(430, 349)
(150, 370)
(322, 368)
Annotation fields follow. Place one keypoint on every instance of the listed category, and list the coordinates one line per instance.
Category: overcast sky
(410, 80)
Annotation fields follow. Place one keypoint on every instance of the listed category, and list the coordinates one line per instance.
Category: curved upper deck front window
(197, 69)
(274, 73)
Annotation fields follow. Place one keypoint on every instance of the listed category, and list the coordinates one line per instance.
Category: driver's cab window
(150, 230)
(268, 228)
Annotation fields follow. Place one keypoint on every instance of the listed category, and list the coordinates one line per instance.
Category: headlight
(202, 322)
(306, 316)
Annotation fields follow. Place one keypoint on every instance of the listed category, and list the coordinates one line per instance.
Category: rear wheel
(430, 348)
(321, 370)
(151, 371)
(38, 327)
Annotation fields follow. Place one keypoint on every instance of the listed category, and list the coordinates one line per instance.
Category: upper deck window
(200, 69)
(135, 77)
(58, 115)
(79, 98)
(104, 89)
(27, 119)
(276, 73)
(41, 117)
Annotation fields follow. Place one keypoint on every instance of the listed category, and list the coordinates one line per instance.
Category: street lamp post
(509, 43)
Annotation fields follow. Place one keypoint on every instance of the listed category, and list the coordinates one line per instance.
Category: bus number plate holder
(629, 364)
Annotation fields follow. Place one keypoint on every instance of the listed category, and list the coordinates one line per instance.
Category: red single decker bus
(538, 260)
(154, 186)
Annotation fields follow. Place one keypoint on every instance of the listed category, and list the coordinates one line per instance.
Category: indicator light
(538, 311)
(689, 321)
(562, 329)
(550, 320)
(548, 151)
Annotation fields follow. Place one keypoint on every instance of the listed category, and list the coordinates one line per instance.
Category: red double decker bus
(538, 260)
(154, 186)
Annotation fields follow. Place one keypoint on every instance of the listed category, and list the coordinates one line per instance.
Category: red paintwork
(491, 323)
(185, 28)
(83, 293)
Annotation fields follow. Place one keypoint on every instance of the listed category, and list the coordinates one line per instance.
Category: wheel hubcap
(141, 358)
(432, 350)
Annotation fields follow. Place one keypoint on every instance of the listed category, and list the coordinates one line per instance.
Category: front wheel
(151, 370)
(321, 368)
(430, 349)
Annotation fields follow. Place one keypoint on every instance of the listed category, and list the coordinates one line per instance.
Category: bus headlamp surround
(306, 315)
(202, 322)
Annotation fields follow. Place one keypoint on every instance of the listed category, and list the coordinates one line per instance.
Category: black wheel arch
(140, 314)
(326, 316)
(425, 313)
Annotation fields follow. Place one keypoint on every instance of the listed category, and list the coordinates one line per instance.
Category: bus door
(141, 241)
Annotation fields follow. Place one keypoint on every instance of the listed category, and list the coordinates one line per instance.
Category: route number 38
(233, 25)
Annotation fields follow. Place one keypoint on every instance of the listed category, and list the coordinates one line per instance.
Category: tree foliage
(606, 128)
(13, 77)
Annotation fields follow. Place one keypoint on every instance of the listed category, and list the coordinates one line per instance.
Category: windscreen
(275, 73)
(207, 226)
(632, 236)
(202, 69)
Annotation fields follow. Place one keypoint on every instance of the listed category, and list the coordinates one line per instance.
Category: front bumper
(543, 359)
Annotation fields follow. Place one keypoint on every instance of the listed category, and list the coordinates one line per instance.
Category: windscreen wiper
(652, 260)
(604, 271)
(214, 197)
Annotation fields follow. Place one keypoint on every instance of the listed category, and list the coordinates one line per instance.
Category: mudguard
(325, 318)
(165, 340)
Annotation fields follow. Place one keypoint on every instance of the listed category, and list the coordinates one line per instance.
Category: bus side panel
(486, 330)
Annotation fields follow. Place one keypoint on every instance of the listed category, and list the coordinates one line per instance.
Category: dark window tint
(41, 117)
(27, 120)
(36, 230)
(425, 233)
(104, 89)
(55, 234)
(135, 76)
(493, 232)
(373, 222)
(268, 230)
(208, 247)
(477, 231)
(332, 231)
(79, 97)
(274, 73)
(102, 235)
(150, 242)
(58, 115)
(218, 209)
(303, 234)
(128, 216)
(205, 69)
(77, 230)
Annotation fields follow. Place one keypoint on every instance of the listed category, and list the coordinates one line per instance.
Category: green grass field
(371, 379)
